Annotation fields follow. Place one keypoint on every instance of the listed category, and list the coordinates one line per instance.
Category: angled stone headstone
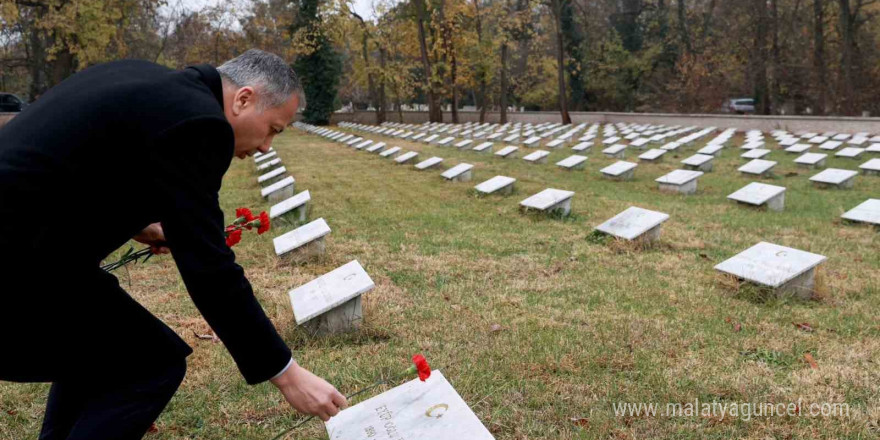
(417, 136)
(415, 410)
(635, 224)
(462, 172)
(711, 150)
(464, 144)
(680, 181)
(500, 184)
(672, 146)
(511, 138)
(507, 152)
(830, 145)
(867, 212)
(871, 167)
(445, 142)
(376, 148)
(495, 137)
(431, 138)
(834, 178)
(345, 138)
(293, 209)
(652, 155)
(331, 303)
(406, 157)
(850, 153)
(264, 167)
(616, 151)
(582, 146)
(798, 148)
(302, 243)
(818, 140)
(272, 176)
(354, 141)
(611, 140)
(389, 153)
(640, 143)
(279, 191)
(366, 143)
(620, 170)
(556, 143)
(787, 271)
(537, 157)
(429, 163)
(265, 157)
(761, 194)
(532, 142)
(758, 167)
(873, 148)
(555, 201)
(573, 162)
(811, 160)
(757, 153)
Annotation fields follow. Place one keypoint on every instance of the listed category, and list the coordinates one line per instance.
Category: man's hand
(309, 394)
(155, 237)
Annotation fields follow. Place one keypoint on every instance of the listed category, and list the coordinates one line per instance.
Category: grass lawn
(541, 327)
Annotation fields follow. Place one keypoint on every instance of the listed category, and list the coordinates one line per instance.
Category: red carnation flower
(244, 212)
(233, 238)
(422, 367)
(264, 223)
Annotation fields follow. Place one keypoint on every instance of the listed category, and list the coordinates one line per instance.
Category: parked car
(11, 103)
(739, 106)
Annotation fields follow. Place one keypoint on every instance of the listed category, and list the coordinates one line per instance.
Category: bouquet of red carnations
(244, 220)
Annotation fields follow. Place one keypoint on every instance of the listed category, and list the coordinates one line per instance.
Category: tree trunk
(560, 62)
(380, 106)
(480, 99)
(683, 33)
(504, 56)
(759, 58)
(435, 114)
(775, 62)
(847, 24)
(819, 67)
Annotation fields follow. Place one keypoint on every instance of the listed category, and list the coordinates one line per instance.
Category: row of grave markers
(331, 303)
(683, 181)
(784, 270)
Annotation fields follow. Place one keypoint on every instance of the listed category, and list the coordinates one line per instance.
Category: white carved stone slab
(850, 152)
(272, 174)
(428, 163)
(873, 148)
(300, 236)
(329, 291)
(546, 199)
(572, 161)
(431, 138)
(757, 167)
(830, 145)
(265, 157)
(615, 150)
(463, 144)
(867, 212)
(756, 193)
(494, 184)
(287, 181)
(430, 410)
(363, 144)
(753, 145)
(632, 223)
(512, 138)
(798, 148)
(375, 148)
(679, 177)
(532, 141)
(418, 136)
(485, 146)
(390, 152)
(270, 164)
(841, 137)
(769, 264)
(582, 146)
(281, 208)
(672, 146)
(457, 170)
(406, 157)
(507, 151)
(445, 141)
(611, 140)
(537, 156)
(711, 150)
(652, 154)
(698, 160)
(818, 140)
(494, 136)
(352, 142)
(811, 159)
(618, 168)
(556, 143)
(789, 141)
(870, 167)
(834, 176)
(757, 153)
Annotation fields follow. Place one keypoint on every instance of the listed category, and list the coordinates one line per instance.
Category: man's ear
(245, 97)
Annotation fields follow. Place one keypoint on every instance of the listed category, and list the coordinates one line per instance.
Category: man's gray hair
(272, 78)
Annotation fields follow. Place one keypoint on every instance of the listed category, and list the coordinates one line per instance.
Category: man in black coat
(123, 150)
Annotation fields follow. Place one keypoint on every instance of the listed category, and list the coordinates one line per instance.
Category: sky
(364, 8)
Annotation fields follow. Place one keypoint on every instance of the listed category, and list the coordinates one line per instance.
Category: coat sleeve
(191, 159)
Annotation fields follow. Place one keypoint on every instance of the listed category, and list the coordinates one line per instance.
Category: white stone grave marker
(850, 152)
(811, 160)
(445, 141)
(699, 162)
(554, 201)
(269, 165)
(462, 172)
(573, 162)
(620, 170)
(485, 147)
(363, 144)
(429, 163)
(279, 191)
(556, 143)
(680, 181)
(265, 157)
(406, 157)
(786, 270)
(272, 176)
(293, 209)
(537, 157)
(582, 147)
(500, 184)
(464, 144)
(757, 153)
(302, 243)
(711, 150)
(830, 145)
(635, 224)
(532, 142)
(431, 138)
(615, 151)
(871, 167)
(866, 212)
(759, 194)
(834, 178)
(758, 167)
(389, 153)
(507, 151)
(376, 148)
(331, 303)
(652, 155)
(798, 148)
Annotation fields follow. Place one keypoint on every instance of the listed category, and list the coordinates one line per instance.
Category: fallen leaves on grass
(809, 358)
(803, 326)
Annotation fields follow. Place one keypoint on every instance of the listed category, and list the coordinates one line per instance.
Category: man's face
(254, 128)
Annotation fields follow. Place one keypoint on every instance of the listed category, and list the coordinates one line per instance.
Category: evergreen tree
(319, 69)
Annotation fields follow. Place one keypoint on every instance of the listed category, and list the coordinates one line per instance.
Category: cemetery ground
(541, 325)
